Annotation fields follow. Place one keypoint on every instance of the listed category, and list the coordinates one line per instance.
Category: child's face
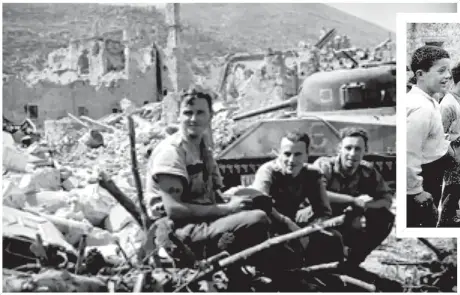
(437, 78)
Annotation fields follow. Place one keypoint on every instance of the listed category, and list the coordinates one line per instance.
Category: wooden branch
(78, 120)
(335, 221)
(242, 255)
(108, 184)
(106, 127)
(439, 254)
(137, 179)
(359, 283)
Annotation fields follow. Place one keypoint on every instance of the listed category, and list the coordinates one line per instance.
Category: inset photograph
(432, 105)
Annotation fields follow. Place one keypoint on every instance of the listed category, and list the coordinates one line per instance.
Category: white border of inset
(401, 47)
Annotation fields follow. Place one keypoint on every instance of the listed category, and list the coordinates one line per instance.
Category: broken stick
(108, 184)
(242, 255)
(137, 179)
(78, 120)
(106, 127)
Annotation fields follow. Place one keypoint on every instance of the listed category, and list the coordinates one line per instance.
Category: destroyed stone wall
(62, 88)
(55, 101)
(420, 33)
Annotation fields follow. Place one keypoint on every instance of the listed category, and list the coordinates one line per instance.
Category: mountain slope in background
(255, 26)
(32, 31)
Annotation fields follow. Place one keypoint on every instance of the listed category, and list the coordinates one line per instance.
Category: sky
(384, 14)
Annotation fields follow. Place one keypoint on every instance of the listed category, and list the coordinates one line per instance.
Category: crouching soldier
(350, 181)
(291, 183)
(183, 173)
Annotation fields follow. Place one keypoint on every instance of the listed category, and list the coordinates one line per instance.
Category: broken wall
(55, 101)
(421, 33)
(59, 90)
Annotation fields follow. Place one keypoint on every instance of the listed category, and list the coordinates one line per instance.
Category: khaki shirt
(289, 192)
(174, 156)
(365, 181)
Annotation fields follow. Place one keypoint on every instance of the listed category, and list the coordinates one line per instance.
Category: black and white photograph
(220, 147)
(433, 125)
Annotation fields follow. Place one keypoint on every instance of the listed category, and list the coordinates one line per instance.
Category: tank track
(232, 169)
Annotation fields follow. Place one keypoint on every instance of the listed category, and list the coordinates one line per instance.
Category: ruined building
(89, 78)
(446, 35)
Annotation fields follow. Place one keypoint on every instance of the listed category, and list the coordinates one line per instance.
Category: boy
(450, 110)
(427, 147)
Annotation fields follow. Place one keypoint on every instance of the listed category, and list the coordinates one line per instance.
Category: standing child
(450, 110)
(427, 148)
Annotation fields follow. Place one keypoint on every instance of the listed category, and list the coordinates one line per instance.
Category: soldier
(350, 181)
(183, 173)
(293, 184)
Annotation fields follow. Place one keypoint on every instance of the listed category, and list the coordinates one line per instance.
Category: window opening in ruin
(32, 111)
(114, 56)
(435, 43)
(83, 111)
(83, 63)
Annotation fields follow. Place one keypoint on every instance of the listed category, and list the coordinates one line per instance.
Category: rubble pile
(66, 192)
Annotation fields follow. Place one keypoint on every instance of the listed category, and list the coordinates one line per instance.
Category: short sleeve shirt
(289, 192)
(174, 156)
(365, 181)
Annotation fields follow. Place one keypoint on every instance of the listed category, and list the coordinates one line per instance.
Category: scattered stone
(45, 178)
(70, 183)
(12, 195)
(48, 201)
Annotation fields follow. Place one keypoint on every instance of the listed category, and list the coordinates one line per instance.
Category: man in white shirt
(450, 110)
(427, 148)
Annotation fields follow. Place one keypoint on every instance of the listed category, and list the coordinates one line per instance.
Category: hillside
(31, 31)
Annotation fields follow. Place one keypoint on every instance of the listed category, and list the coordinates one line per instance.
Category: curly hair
(456, 73)
(425, 56)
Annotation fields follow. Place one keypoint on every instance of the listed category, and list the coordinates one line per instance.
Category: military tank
(327, 101)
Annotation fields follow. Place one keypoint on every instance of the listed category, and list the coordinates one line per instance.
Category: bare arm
(171, 190)
(321, 204)
(339, 198)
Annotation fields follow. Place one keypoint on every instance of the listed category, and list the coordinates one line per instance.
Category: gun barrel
(279, 106)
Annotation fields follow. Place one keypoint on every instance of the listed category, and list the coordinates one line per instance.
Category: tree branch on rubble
(107, 183)
(245, 254)
(439, 253)
(137, 179)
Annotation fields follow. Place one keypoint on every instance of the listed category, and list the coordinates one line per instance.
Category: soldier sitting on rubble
(351, 181)
(183, 172)
(291, 183)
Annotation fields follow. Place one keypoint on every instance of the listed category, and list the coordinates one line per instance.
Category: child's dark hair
(456, 73)
(425, 56)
